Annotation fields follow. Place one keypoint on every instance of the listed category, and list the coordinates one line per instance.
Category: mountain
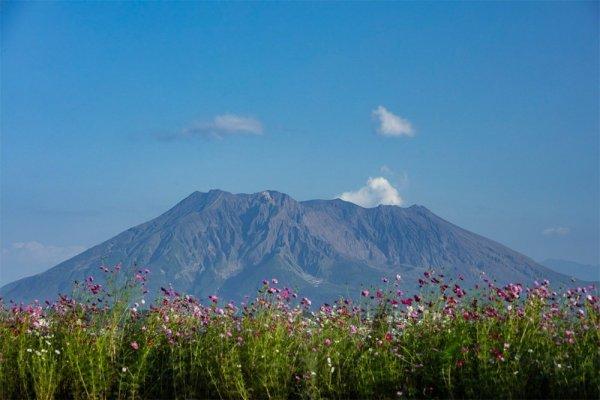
(574, 269)
(226, 244)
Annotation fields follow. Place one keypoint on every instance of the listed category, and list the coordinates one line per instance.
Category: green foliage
(504, 345)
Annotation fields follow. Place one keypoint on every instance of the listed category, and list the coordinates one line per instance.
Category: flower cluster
(445, 341)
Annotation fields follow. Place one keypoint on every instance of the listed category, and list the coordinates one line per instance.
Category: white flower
(29, 350)
(332, 369)
(57, 351)
(124, 369)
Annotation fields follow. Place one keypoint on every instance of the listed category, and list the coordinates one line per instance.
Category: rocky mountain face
(226, 244)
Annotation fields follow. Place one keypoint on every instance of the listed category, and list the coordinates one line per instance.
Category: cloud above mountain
(556, 231)
(377, 191)
(390, 124)
(219, 127)
(25, 258)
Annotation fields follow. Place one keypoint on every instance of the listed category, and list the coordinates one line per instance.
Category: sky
(485, 113)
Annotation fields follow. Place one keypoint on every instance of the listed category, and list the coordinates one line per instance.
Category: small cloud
(400, 179)
(231, 123)
(556, 231)
(378, 191)
(390, 124)
(386, 170)
(37, 253)
(220, 126)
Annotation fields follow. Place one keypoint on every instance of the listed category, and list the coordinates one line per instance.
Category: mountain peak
(219, 242)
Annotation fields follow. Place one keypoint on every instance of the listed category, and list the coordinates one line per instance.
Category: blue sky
(486, 113)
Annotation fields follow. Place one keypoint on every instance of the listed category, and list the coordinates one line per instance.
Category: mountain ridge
(219, 242)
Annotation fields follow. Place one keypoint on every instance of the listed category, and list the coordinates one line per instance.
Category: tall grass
(509, 342)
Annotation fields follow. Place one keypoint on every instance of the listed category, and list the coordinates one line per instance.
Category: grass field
(489, 342)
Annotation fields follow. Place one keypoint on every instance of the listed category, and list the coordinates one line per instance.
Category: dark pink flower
(407, 302)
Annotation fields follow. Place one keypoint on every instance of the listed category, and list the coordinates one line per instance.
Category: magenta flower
(134, 345)
(407, 302)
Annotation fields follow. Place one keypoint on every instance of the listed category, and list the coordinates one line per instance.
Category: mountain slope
(218, 242)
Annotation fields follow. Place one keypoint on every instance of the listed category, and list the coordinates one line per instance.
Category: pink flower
(213, 298)
(134, 345)
(305, 302)
(364, 293)
(327, 342)
(407, 302)
(353, 329)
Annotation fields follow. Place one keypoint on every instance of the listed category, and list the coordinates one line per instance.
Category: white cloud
(556, 231)
(390, 124)
(220, 126)
(377, 191)
(37, 253)
(386, 170)
(231, 123)
(399, 179)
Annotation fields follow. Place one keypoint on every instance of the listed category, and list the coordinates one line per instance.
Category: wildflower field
(105, 341)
